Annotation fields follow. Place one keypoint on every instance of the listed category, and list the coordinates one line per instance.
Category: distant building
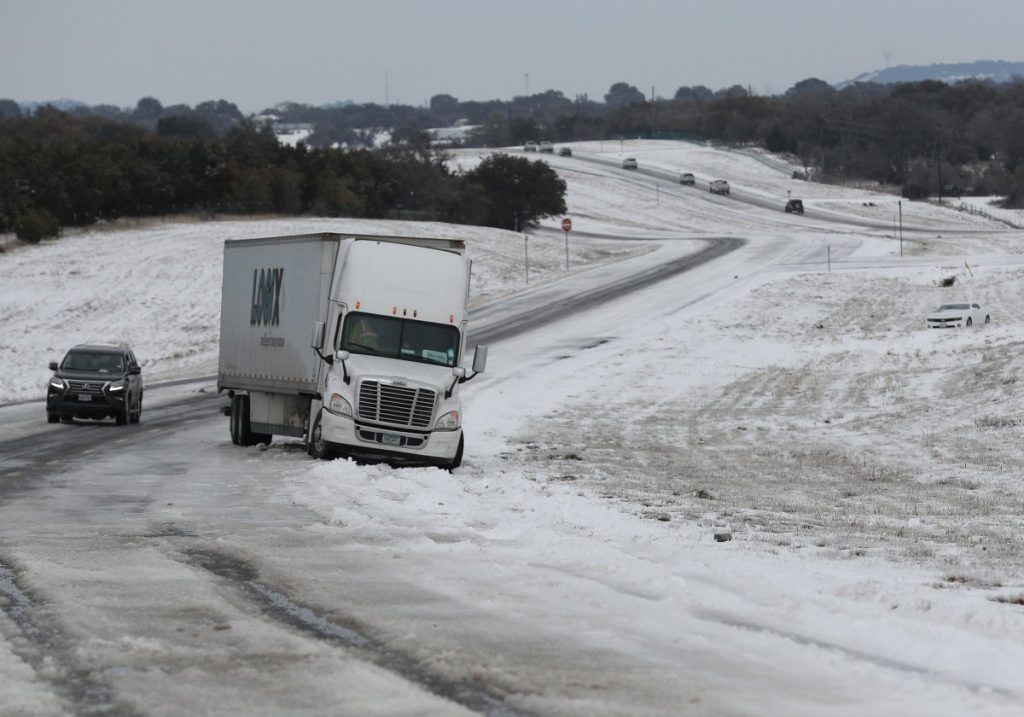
(451, 136)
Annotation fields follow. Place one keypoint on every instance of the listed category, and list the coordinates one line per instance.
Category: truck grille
(396, 405)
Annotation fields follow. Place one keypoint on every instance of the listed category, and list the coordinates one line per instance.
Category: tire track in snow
(276, 605)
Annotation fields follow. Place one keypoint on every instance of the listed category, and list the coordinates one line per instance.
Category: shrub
(34, 225)
(915, 191)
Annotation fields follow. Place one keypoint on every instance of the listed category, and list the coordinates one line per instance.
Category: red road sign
(567, 224)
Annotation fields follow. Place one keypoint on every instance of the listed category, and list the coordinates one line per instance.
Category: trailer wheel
(246, 436)
(318, 447)
(233, 420)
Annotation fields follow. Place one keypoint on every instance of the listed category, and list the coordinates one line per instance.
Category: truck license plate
(84, 397)
(390, 439)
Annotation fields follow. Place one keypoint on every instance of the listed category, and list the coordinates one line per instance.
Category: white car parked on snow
(952, 316)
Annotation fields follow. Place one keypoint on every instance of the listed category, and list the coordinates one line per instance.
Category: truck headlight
(339, 405)
(447, 422)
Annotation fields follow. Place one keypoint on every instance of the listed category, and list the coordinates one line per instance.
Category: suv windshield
(91, 361)
(399, 338)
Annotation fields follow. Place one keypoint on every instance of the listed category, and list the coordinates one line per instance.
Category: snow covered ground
(157, 288)
(864, 476)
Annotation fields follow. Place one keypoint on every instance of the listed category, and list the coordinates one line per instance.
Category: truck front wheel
(318, 447)
(457, 460)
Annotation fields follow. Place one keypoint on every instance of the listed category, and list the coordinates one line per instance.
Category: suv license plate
(391, 439)
(84, 397)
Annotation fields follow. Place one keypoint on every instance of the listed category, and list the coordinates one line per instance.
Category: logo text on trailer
(266, 297)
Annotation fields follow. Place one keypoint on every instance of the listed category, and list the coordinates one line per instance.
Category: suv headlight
(339, 405)
(447, 422)
(58, 384)
(116, 386)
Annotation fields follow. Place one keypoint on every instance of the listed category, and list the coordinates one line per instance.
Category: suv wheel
(121, 417)
(52, 418)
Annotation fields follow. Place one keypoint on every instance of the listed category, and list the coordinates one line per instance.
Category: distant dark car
(687, 178)
(565, 152)
(95, 381)
(795, 206)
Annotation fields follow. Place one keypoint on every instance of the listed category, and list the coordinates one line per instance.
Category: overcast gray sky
(257, 53)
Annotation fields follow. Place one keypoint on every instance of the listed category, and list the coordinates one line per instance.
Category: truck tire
(319, 448)
(457, 460)
(241, 425)
(233, 420)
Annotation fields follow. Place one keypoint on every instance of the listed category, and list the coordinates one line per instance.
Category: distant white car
(530, 147)
(719, 186)
(547, 147)
(629, 163)
(952, 316)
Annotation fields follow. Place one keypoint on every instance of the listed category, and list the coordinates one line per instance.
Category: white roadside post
(901, 226)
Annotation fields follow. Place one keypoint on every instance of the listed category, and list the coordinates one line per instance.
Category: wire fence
(977, 211)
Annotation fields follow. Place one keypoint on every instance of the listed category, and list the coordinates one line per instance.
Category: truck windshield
(400, 338)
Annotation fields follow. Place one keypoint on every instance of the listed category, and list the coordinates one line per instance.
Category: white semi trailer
(354, 343)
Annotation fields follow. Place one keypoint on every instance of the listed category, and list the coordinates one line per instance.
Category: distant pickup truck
(719, 186)
(547, 147)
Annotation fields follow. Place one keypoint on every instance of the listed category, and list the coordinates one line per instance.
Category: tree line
(927, 138)
(71, 168)
(59, 169)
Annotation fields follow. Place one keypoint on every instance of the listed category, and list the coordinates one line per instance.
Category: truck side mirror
(53, 365)
(317, 342)
(480, 359)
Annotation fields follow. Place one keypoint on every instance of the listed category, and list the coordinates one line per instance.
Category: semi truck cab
(388, 325)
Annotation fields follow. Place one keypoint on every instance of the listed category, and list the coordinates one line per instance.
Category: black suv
(95, 381)
(795, 206)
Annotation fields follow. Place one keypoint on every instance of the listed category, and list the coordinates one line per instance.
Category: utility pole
(387, 90)
(526, 76)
